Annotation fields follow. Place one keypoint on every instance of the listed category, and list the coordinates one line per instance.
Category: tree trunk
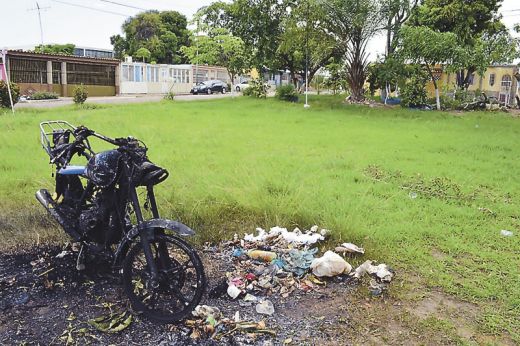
(357, 63)
(437, 96)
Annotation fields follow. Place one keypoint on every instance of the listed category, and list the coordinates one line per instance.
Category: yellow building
(498, 81)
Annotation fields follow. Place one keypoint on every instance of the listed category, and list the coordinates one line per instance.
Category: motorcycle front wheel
(179, 285)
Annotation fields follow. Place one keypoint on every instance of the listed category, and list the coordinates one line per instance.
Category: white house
(143, 78)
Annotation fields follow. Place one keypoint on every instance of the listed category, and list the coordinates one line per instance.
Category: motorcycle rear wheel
(180, 285)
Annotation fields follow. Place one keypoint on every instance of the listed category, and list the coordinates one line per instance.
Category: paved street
(62, 101)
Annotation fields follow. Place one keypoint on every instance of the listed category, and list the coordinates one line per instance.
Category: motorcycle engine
(98, 223)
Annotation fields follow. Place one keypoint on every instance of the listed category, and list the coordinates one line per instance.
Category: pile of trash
(280, 262)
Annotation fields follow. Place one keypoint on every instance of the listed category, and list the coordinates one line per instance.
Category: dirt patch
(43, 307)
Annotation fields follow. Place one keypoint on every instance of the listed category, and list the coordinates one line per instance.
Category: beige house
(498, 81)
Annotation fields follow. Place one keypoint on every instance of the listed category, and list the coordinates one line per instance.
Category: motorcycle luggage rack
(48, 129)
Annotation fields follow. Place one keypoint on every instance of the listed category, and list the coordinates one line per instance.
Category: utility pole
(307, 105)
(197, 54)
(39, 9)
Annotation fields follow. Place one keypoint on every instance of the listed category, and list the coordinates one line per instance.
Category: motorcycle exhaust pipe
(44, 197)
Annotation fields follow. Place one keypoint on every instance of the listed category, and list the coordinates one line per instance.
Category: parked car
(241, 86)
(209, 87)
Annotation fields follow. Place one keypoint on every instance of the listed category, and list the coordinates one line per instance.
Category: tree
(384, 74)
(256, 22)
(67, 49)
(304, 40)
(489, 49)
(220, 48)
(336, 79)
(468, 20)
(430, 48)
(162, 33)
(143, 53)
(396, 13)
(353, 23)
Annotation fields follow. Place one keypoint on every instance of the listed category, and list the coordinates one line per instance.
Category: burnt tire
(180, 285)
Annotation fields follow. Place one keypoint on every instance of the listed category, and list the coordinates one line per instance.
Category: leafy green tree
(385, 74)
(162, 33)
(429, 48)
(336, 78)
(143, 53)
(468, 20)
(67, 49)
(220, 48)
(489, 49)
(395, 13)
(256, 22)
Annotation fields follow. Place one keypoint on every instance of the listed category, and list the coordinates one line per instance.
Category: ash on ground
(271, 288)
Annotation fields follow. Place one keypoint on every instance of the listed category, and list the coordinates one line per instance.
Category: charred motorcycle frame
(98, 205)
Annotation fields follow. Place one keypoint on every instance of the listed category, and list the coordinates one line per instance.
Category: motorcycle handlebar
(81, 133)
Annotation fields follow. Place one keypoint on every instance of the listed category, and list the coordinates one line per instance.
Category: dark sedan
(209, 87)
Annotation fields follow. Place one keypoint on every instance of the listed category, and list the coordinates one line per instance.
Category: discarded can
(266, 256)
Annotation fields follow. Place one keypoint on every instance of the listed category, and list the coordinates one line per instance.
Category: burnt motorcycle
(99, 206)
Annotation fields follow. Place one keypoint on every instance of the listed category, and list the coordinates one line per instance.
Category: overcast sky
(65, 23)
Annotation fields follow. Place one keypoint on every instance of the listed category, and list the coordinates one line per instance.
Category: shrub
(170, 96)
(257, 88)
(44, 95)
(287, 93)
(4, 94)
(80, 94)
(447, 102)
(413, 93)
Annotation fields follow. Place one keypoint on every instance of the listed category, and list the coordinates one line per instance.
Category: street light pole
(307, 105)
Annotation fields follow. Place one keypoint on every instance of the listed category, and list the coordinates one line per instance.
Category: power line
(92, 8)
(124, 5)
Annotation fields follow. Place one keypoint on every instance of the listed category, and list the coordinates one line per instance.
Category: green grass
(240, 163)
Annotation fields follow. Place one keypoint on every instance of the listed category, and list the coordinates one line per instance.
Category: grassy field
(425, 192)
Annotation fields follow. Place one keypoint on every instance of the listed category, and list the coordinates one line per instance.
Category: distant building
(93, 52)
(61, 73)
(143, 78)
(498, 81)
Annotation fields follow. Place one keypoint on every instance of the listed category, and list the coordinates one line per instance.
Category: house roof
(62, 57)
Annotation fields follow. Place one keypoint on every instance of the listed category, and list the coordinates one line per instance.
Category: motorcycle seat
(72, 170)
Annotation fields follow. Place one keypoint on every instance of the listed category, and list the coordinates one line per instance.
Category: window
(138, 74)
(492, 79)
(124, 73)
(506, 81)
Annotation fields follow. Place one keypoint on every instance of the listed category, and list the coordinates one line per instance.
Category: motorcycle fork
(163, 250)
(145, 236)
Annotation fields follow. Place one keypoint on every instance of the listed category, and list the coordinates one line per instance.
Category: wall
(93, 90)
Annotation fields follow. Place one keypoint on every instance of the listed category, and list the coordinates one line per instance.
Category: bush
(44, 95)
(80, 94)
(170, 96)
(447, 102)
(257, 88)
(287, 93)
(413, 93)
(4, 94)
